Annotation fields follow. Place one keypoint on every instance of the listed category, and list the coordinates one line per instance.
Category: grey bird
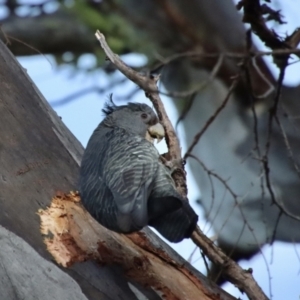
(123, 183)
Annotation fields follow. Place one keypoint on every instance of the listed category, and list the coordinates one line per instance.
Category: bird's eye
(144, 116)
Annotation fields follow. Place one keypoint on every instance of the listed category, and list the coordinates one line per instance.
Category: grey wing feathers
(125, 187)
(130, 166)
(118, 184)
(95, 195)
(102, 208)
(170, 214)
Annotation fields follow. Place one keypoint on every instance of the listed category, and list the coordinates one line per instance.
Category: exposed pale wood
(76, 236)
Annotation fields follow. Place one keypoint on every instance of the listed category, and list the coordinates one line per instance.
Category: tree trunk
(39, 157)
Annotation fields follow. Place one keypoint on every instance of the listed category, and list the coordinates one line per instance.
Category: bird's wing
(129, 172)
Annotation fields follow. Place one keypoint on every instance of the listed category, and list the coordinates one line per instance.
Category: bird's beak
(156, 131)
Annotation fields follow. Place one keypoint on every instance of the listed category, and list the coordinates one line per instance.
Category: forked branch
(243, 279)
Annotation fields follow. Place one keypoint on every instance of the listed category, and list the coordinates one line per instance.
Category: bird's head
(137, 118)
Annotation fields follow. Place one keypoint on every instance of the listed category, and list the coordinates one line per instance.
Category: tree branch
(30, 176)
(253, 14)
(148, 84)
(211, 119)
(77, 237)
(241, 278)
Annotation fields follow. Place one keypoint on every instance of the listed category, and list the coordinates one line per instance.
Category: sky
(278, 269)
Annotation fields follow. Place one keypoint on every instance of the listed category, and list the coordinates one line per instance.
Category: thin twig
(252, 53)
(241, 278)
(288, 147)
(8, 42)
(85, 91)
(265, 159)
(245, 66)
(189, 102)
(148, 84)
(211, 119)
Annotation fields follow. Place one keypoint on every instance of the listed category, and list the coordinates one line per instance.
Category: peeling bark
(76, 237)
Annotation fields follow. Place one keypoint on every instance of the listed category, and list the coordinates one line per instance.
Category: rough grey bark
(38, 157)
(24, 274)
(249, 220)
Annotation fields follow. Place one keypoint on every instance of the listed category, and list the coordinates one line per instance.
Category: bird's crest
(109, 106)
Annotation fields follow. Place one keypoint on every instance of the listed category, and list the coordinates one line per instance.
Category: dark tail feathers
(176, 225)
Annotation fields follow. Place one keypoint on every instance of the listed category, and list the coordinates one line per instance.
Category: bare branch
(241, 278)
(253, 14)
(265, 159)
(85, 91)
(77, 237)
(148, 84)
(195, 54)
(211, 119)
